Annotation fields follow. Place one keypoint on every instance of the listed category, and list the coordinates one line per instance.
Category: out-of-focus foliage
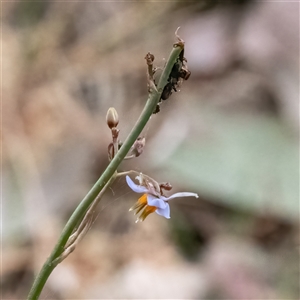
(246, 162)
(230, 134)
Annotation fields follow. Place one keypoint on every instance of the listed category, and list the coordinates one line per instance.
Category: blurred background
(230, 135)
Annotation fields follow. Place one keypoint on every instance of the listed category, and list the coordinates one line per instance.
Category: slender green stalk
(107, 176)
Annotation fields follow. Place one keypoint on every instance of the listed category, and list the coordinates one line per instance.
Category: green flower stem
(107, 176)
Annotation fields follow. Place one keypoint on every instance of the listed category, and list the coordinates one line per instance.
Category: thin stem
(107, 175)
(89, 213)
(120, 174)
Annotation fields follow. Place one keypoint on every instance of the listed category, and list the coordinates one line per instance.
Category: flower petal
(157, 202)
(136, 188)
(165, 212)
(177, 195)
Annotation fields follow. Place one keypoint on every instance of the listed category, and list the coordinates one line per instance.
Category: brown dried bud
(112, 118)
(138, 146)
(149, 58)
(165, 186)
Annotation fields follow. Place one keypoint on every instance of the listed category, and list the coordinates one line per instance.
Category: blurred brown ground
(231, 135)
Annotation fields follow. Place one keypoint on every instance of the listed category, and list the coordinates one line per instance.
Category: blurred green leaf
(248, 162)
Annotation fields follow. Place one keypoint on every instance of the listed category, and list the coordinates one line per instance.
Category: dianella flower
(153, 198)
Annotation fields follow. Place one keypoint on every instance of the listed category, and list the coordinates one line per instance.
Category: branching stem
(106, 178)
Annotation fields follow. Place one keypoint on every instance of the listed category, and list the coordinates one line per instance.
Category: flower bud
(138, 146)
(165, 186)
(112, 118)
(149, 58)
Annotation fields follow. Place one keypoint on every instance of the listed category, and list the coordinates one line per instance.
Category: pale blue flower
(152, 199)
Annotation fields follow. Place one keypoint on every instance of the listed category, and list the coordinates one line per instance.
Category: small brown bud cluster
(179, 73)
(112, 120)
